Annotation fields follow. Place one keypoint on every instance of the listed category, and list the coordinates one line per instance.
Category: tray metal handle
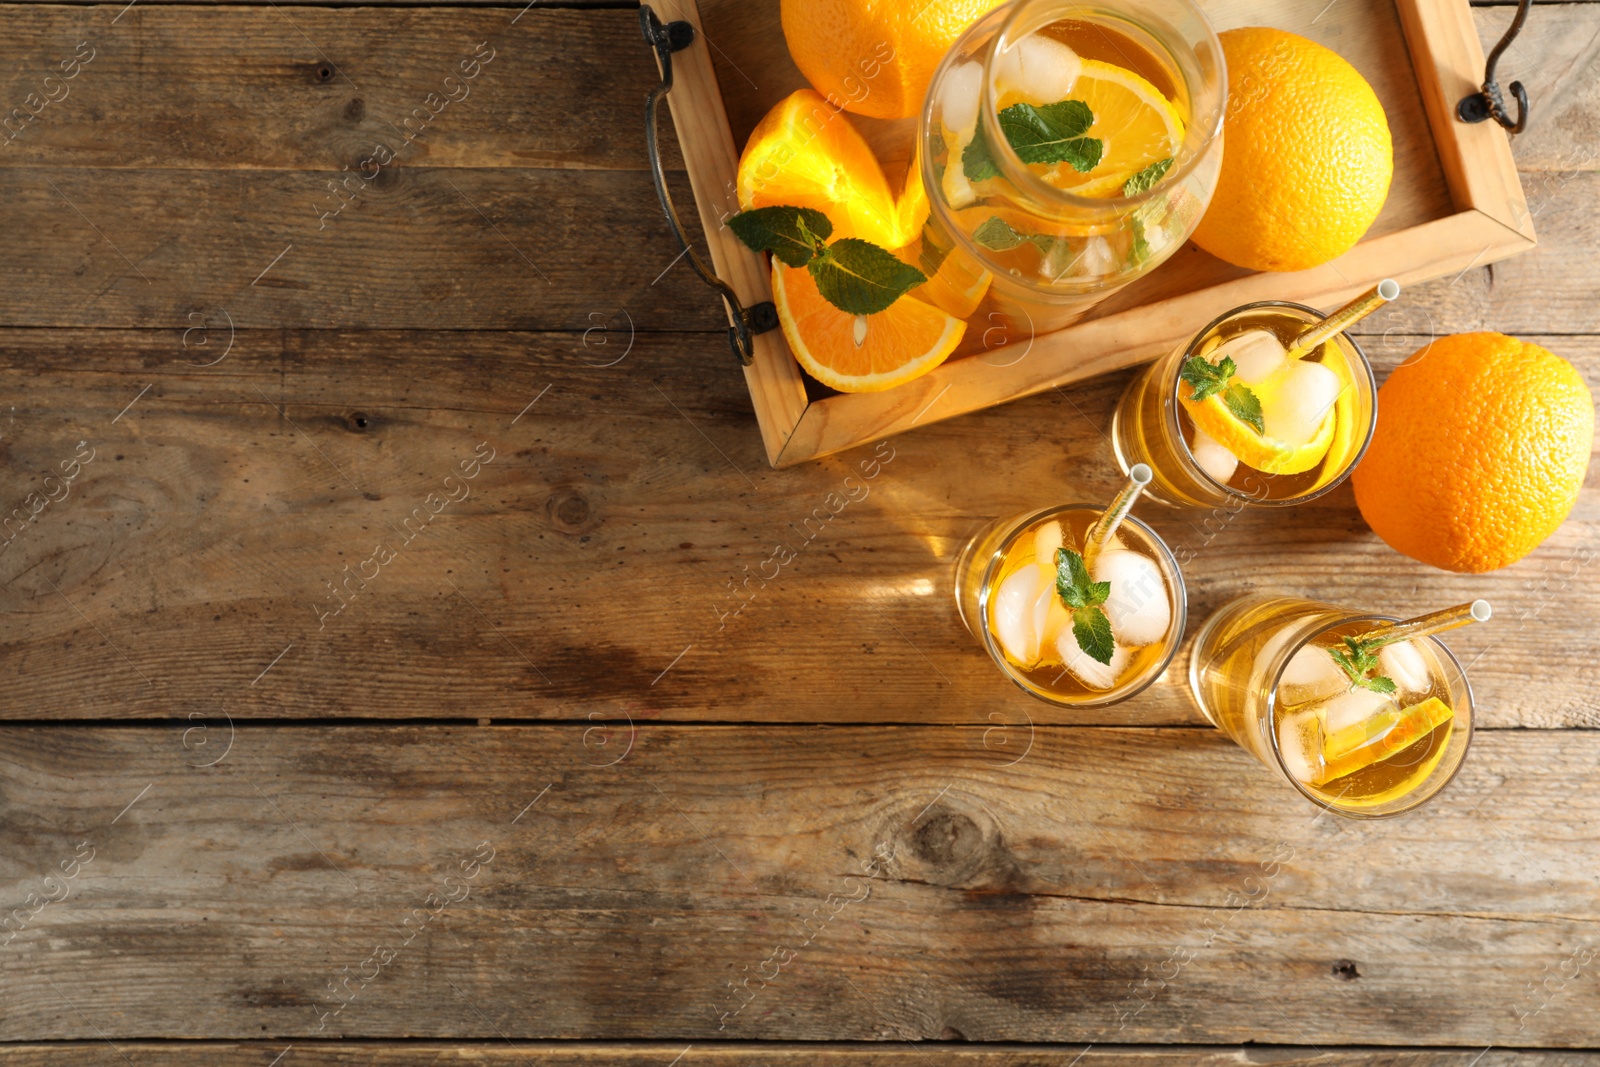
(1488, 102)
(667, 38)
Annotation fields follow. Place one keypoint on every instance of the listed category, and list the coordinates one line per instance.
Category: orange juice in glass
(1073, 617)
(1229, 417)
(1362, 715)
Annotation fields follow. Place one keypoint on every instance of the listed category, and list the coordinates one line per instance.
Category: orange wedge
(860, 353)
(806, 154)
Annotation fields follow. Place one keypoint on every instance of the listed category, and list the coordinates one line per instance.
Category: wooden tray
(1455, 203)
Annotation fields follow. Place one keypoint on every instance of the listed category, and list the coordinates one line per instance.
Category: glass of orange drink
(1356, 715)
(1237, 415)
(1076, 610)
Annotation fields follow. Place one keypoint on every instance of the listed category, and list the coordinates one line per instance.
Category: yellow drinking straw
(1436, 622)
(1105, 526)
(1345, 317)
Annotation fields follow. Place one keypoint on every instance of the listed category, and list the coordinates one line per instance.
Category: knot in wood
(569, 511)
(1345, 970)
(946, 838)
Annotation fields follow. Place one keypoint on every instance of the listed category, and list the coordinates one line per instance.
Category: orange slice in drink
(1385, 734)
(860, 353)
(806, 154)
(1266, 454)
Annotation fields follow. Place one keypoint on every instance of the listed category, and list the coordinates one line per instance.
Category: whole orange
(1480, 450)
(875, 57)
(1306, 158)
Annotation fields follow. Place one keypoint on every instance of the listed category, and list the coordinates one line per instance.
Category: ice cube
(1301, 396)
(1300, 743)
(1404, 664)
(959, 97)
(1068, 258)
(1351, 707)
(1046, 539)
(1311, 674)
(1097, 258)
(1039, 69)
(1256, 355)
(1014, 604)
(1091, 672)
(1212, 457)
(1138, 607)
(1041, 609)
(1269, 651)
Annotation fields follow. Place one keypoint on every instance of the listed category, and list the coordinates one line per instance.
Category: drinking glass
(1260, 673)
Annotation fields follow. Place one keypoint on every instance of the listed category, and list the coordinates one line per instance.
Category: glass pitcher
(1068, 149)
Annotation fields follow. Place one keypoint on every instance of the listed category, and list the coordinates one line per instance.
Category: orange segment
(806, 154)
(860, 353)
(1362, 744)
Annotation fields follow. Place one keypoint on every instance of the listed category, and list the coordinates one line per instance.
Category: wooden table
(391, 684)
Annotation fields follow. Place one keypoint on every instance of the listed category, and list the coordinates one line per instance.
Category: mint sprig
(1053, 133)
(1357, 662)
(855, 276)
(1146, 179)
(1208, 379)
(1084, 596)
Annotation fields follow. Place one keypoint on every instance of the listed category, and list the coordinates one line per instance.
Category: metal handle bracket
(665, 39)
(1488, 102)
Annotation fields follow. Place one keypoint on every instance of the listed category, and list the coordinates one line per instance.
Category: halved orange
(860, 353)
(806, 154)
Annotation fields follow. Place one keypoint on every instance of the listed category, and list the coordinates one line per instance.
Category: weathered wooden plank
(609, 558)
(322, 88)
(888, 883)
(752, 1054)
(422, 247)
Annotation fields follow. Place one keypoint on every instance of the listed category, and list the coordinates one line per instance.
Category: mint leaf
(1093, 631)
(1356, 662)
(1052, 134)
(1245, 405)
(1139, 249)
(976, 162)
(1206, 377)
(1049, 134)
(860, 278)
(1073, 584)
(1146, 179)
(997, 234)
(793, 234)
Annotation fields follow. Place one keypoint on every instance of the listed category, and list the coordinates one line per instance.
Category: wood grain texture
(749, 1054)
(610, 557)
(318, 88)
(441, 249)
(1108, 885)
